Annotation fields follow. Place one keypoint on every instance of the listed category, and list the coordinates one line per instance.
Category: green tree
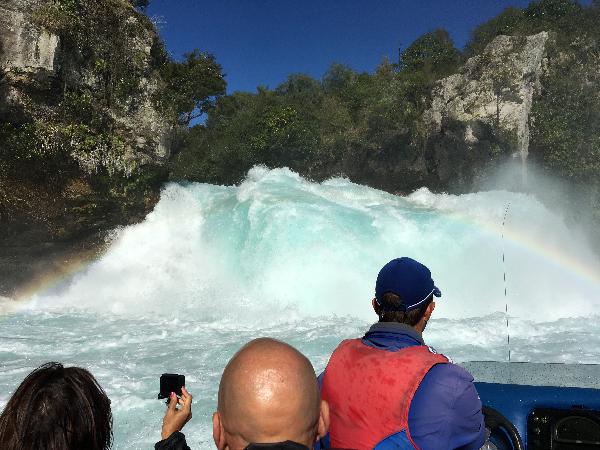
(298, 85)
(566, 121)
(338, 80)
(139, 3)
(564, 16)
(302, 92)
(552, 10)
(433, 54)
(511, 21)
(98, 36)
(192, 86)
(355, 90)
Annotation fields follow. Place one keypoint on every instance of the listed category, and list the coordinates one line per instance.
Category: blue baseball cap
(407, 278)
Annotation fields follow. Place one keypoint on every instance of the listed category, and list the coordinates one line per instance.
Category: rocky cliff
(83, 146)
(37, 69)
(25, 46)
(531, 99)
(482, 113)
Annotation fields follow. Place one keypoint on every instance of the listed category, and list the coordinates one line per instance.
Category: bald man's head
(268, 393)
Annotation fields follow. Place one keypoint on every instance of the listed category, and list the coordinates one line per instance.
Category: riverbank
(29, 268)
(47, 230)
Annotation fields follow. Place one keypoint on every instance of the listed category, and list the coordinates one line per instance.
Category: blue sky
(260, 42)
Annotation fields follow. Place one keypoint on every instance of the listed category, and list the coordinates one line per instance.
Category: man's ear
(376, 307)
(323, 426)
(426, 316)
(218, 431)
(428, 312)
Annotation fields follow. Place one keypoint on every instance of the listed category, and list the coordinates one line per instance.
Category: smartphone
(170, 382)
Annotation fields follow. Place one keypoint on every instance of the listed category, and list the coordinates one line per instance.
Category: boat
(535, 406)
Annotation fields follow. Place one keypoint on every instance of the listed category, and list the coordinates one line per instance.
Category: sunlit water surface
(212, 267)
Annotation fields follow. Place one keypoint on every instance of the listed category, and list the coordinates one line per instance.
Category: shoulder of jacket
(450, 373)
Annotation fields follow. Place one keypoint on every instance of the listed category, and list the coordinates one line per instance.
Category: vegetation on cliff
(347, 121)
(112, 64)
(366, 126)
(363, 125)
(565, 117)
(85, 138)
(113, 103)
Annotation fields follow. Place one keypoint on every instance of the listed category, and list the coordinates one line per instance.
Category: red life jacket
(369, 391)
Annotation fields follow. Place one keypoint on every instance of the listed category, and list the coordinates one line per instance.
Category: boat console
(532, 406)
(563, 429)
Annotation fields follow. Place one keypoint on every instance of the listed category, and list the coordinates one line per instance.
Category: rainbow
(62, 271)
(532, 244)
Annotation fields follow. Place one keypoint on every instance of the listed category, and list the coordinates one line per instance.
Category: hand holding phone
(175, 419)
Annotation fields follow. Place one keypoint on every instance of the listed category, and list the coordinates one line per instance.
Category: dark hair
(410, 317)
(57, 408)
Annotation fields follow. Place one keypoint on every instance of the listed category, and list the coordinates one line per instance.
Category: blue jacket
(445, 412)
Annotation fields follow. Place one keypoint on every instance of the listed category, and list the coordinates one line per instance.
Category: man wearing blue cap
(389, 390)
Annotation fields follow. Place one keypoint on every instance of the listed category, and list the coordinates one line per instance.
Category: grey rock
(23, 45)
(33, 60)
(495, 88)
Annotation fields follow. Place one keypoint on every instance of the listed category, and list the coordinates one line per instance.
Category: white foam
(281, 245)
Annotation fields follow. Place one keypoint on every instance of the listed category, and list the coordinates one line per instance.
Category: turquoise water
(213, 266)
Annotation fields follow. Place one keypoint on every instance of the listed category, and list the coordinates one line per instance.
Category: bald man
(268, 395)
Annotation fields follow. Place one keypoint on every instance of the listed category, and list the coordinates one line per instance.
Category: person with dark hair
(389, 390)
(57, 408)
(268, 399)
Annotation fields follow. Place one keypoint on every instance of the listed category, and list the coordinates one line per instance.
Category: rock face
(35, 69)
(26, 53)
(25, 46)
(484, 109)
(47, 222)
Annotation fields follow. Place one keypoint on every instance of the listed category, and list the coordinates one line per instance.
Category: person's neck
(420, 327)
(398, 327)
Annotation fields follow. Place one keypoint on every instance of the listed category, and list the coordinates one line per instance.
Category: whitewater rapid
(214, 266)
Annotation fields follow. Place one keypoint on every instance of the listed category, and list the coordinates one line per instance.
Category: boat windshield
(535, 374)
